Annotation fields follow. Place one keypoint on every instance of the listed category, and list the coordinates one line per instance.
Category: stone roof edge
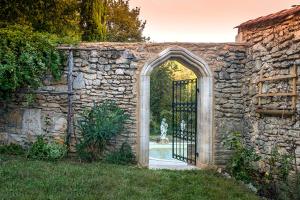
(271, 19)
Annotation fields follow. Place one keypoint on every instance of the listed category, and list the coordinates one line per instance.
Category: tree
(93, 15)
(123, 23)
(93, 20)
(110, 20)
(52, 16)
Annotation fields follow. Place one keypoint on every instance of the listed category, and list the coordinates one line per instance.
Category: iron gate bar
(184, 109)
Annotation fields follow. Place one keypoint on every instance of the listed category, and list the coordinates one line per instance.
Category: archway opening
(204, 122)
(173, 116)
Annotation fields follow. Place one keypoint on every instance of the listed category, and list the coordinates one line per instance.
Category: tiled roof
(281, 15)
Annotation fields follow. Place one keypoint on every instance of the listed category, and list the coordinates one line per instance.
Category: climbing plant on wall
(25, 58)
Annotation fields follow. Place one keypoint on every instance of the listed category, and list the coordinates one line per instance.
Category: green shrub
(25, 58)
(275, 182)
(123, 156)
(242, 162)
(12, 149)
(38, 149)
(272, 178)
(296, 187)
(97, 126)
(42, 150)
(56, 151)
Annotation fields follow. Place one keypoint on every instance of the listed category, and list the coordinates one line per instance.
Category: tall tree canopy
(111, 20)
(123, 23)
(92, 20)
(53, 16)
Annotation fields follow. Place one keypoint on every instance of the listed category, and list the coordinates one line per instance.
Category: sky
(202, 20)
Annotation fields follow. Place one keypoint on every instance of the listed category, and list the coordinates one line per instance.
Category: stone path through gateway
(155, 163)
(161, 158)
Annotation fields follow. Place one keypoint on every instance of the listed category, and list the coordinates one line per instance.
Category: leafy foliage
(275, 183)
(53, 16)
(38, 149)
(269, 174)
(123, 156)
(12, 149)
(25, 58)
(42, 150)
(90, 20)
(93, 20)
(97, 126)
(123, 23)
(242, 162)
(56, 151)
(110, 20)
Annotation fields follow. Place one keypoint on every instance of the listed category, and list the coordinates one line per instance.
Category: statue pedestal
(162, 140)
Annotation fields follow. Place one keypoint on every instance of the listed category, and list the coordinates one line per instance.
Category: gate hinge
(197, 154)
(198, 90)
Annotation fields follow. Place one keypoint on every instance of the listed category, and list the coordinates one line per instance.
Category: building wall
(111, 71)
(274, 48)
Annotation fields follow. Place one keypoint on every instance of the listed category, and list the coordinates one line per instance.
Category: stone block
(93, 60)
(96, 82)
(297, 36)
(59, 125)
(14, 119)
(3, 138)
(94, 53)
(78, 82)
(90, 76)
(31, 124)
(121, 89)
(119, 71)
(103, 61)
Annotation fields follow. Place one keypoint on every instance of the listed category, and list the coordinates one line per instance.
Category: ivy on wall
(25, 58)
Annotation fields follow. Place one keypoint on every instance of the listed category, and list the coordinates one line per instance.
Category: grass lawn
(27, 179)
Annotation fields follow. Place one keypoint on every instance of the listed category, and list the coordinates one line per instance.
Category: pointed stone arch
(205, 132)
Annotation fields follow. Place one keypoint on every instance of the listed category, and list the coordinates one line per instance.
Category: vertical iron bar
(173, 118)
(180, 103)
(192, 122)
(196, 107)
(177, 96)
(182, 118)
(175, 133)
(187, 119)
(70, 99)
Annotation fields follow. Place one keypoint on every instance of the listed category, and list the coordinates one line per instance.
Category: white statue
(163, 129)
(182, 126)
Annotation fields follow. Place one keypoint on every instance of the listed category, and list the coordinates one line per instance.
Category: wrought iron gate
(184, 110)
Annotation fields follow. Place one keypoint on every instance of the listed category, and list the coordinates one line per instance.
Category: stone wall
(111, 71)
(274, 47)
